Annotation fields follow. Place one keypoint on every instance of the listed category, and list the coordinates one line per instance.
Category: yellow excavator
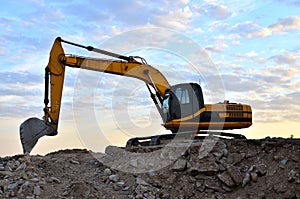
(181, 106)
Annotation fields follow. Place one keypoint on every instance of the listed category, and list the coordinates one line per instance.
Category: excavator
(180, 106)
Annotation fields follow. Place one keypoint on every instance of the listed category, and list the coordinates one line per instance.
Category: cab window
(183, 95)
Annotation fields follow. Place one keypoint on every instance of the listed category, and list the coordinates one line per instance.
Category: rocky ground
(213, 168)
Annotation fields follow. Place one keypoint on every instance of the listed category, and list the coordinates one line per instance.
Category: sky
(242, 51)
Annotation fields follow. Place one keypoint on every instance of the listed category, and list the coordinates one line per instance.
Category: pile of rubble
(212, 168)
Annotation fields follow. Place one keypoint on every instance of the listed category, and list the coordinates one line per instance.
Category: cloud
(245, 27)
(292, 3)
(198, 30)
(247, 55)
(261, 33)
(218, 11)
(22, 78)
(22, 93)
(285, 60)
(177, 19)
(286, 24)
(19, 93)
(235, 42)
(288, 59)
(124, 14)
(277, 107)
(250, 29)
(212, 9)
(216, 48)
(283, 73)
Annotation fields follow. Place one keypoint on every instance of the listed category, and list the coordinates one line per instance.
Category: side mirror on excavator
(31, 130)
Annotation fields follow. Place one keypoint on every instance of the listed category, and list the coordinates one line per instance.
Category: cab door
(185, 100)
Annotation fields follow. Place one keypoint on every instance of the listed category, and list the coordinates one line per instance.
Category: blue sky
(253, 47)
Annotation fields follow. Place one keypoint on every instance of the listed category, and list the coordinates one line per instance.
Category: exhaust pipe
(32, 130)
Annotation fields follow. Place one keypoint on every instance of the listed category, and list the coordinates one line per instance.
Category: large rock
(226, 179)
(236, 175)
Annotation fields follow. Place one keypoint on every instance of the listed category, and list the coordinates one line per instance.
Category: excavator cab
(182, 100)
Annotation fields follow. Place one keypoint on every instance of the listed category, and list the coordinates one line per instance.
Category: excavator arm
(32, 129)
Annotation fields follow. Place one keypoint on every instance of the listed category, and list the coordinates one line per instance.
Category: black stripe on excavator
(206, 119)
(208, 116)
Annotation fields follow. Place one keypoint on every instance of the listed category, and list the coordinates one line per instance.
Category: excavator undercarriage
(181, 137)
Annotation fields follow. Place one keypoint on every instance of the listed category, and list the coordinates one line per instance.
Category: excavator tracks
(163, 139)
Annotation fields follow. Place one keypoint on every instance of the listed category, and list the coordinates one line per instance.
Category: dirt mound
(213, 168)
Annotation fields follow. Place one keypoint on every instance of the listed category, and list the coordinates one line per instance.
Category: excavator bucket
(33, 129)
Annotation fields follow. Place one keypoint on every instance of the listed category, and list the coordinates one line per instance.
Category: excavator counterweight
(181, 106)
